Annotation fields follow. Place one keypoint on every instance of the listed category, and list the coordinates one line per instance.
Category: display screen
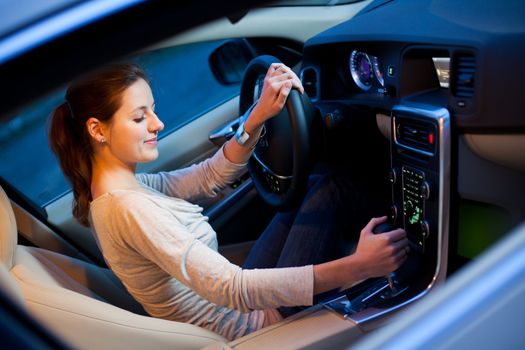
(442, 65)
(413, 204)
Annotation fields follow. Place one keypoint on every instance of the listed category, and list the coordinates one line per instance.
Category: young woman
(162, 247)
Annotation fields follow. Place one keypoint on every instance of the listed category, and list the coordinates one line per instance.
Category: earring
(102, 140)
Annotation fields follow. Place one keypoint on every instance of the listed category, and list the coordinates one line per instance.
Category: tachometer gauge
(378, 70)
(361, 69)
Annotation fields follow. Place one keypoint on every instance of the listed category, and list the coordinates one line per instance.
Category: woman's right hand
(382, 253)
(376, 255)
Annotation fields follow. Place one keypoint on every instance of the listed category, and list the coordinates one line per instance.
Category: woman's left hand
(278, 83)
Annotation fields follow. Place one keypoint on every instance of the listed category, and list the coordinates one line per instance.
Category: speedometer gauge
(361, 69)
(378, 70)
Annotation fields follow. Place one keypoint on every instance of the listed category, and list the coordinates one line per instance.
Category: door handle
(224, 133)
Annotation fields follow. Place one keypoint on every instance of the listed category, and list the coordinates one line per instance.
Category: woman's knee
(330, 188)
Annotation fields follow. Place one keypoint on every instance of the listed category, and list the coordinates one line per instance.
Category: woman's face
(132, 132)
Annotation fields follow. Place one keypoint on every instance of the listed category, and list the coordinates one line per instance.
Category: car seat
(85, 305)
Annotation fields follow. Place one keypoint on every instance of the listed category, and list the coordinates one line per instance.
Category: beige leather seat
(76, 300)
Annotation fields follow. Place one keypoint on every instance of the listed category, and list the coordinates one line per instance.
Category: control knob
(393, 175)
(394, 213)
(425, 190)
(425, 228)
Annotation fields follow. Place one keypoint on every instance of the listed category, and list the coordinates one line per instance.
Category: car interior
(417, 101)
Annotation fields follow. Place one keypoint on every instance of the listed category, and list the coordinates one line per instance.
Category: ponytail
(96, 95)
(70, 143)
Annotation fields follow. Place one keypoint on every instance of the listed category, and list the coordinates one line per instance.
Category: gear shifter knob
(386, 227)
(383, 227)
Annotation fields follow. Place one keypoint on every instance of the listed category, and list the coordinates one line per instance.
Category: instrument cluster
(367, 72)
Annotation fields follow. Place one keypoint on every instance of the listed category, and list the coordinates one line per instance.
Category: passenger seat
(76, 300)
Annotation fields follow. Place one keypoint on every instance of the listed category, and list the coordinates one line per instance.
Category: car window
(312, 2)
(183, 83)
(24, 12)
(184, 88)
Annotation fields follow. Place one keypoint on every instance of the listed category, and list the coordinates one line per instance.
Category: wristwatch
(241, 135)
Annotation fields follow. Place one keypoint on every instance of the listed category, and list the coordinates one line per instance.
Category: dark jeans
(324, 227)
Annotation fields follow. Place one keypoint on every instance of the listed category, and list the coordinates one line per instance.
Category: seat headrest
(8, 231)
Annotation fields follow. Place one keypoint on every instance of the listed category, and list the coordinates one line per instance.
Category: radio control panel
(418, 160)
(414, 205)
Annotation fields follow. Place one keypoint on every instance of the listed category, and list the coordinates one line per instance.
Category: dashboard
(367, 71)
(413, 56)
(441, 74)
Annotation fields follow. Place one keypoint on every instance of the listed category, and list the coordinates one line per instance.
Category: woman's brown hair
(99, 95)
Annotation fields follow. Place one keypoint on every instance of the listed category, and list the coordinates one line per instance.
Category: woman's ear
(96, 129)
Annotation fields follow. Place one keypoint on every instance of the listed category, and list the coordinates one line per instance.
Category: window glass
(20, 13)
(311, 2)
(183, 84)
(184, 88)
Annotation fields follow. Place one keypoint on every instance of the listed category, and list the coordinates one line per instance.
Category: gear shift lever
(377, 292)
(386, 227)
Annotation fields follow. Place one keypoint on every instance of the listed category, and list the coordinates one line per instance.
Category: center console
(419, 178)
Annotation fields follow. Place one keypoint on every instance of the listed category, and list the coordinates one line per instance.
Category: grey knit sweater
(165, 252)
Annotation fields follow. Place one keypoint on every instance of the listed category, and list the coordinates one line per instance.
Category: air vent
(416, 134)
(310, 80)
(463, 79)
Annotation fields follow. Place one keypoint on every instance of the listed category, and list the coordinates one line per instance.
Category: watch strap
(241, 135)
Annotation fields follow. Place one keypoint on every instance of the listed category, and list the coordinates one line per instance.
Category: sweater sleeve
(197, 181)
(157, 235)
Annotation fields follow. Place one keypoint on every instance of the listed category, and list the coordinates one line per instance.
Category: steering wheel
(282, 159)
